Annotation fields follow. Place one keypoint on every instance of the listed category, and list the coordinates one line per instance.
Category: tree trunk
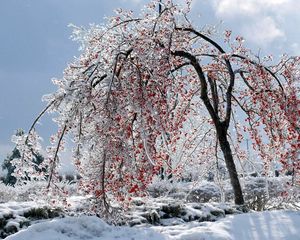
(225, 147)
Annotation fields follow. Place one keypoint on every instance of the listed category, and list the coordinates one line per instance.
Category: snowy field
(250, 226)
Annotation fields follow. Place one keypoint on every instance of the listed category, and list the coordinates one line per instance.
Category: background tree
(126, 100)
(9, 167)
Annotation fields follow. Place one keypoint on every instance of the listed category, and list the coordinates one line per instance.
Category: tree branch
(264, 67)
(201, 76)
(229, 68)
(56, 154)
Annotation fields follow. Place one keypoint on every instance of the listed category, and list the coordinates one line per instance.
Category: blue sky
(35, 44)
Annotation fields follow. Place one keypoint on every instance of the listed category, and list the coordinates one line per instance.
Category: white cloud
(260, 21)
(229, 8)
(262, 31)
(232, 8)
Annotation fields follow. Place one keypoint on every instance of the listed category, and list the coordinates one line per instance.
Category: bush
(204, 192)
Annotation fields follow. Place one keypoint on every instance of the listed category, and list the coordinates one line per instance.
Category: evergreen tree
(7, 165)
(9, 179)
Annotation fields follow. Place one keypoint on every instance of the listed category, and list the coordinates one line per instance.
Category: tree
(10, 166)
(128, 97)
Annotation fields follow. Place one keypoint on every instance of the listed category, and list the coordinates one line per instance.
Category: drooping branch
(116, 72)
(56, 154)
(207, 39)
(264, 67)
(273, 74)
(245, 81)
(201, 76)
(38, 118)
(33, 125)
(229, 68)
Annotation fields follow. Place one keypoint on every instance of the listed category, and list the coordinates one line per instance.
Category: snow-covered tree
(9, 165)
(127, 100)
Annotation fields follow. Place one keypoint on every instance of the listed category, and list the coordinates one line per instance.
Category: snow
(16, 208)
(194, 231)
(83, 227)
(250, 226)
(189, 221)
(265, 226)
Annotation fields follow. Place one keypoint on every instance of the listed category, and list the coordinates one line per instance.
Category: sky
(35, 44)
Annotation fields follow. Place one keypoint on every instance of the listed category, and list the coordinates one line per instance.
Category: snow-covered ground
(250, 226)
(80, 228)
(158, 218)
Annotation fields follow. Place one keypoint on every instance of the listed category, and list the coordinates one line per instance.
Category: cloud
(260, 21)
(232, 8)
(262, 31)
